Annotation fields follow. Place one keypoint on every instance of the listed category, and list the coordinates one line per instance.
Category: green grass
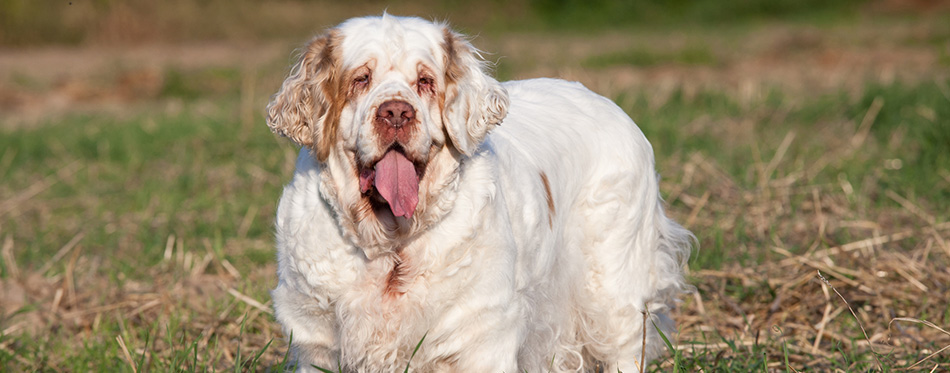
(914, 122)
(133, 182)
(191, 85)
(913, 126)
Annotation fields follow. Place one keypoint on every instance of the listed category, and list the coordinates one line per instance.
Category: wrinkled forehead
(394, 42)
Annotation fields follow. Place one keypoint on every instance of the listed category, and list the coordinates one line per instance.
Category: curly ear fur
(474, 102)
(307, 107)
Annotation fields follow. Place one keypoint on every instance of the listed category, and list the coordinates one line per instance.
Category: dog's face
(389, 107)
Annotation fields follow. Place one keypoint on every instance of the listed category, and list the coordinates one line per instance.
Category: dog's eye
(425, 84)
(361, 80)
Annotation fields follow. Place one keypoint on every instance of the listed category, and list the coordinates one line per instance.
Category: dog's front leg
(309, 324)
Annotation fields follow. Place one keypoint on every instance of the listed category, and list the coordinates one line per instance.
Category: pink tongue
(397, 182)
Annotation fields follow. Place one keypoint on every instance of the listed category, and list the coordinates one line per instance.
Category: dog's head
(389, 107)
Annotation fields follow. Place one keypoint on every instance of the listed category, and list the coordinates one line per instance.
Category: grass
(142, 166)
(577, 14)
(142, 197)
(644, 57)
(142, 240)
(79, 22)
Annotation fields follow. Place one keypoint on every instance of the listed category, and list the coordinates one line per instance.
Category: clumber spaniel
(517, 226)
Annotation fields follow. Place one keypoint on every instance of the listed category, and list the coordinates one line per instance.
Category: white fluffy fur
(537, 246)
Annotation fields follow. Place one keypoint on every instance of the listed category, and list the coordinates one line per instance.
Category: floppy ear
(307, 107)
(474, 102)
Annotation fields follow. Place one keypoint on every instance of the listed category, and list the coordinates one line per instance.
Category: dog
(439, 216)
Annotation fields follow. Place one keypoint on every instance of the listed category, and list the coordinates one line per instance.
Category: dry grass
(200, 294)
(817, 293)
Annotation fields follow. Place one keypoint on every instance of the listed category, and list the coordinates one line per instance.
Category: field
(806, 145)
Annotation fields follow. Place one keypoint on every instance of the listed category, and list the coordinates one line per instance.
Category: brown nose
(395, 113)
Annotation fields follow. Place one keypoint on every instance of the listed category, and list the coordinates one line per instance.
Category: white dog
(516, 226)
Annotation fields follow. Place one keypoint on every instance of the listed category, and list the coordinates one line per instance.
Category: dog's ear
(474, 102)
(307, 107)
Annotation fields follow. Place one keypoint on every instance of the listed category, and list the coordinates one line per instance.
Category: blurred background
(138, 181)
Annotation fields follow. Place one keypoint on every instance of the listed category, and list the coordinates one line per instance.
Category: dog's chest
(388, 285)
(390, 278)
(382, 312)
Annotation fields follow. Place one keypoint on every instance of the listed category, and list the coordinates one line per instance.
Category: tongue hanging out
(397, 181)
